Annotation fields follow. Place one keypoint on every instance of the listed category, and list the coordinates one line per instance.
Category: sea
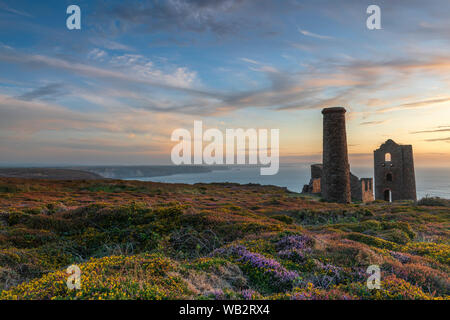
(431, 182)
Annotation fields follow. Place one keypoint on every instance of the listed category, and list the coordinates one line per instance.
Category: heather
(144, 240)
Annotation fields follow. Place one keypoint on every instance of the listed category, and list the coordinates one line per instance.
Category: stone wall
(316, 170)
(366, 189)
(361, 189)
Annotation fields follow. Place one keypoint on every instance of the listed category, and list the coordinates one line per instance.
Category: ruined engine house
(333, 179)
(394, 172)
(393, 168)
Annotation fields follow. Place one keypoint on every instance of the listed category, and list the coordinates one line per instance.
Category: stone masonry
(335, 181)
(394, 172)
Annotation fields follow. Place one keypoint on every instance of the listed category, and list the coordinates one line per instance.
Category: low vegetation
(144, 240)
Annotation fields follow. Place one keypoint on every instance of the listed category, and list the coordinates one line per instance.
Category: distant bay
(430, 181)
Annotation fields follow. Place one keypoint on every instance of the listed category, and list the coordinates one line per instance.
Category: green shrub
(283, 218)
(8, 188)
(403, 226)
(371, 241)
(395, 235)
(434, 201)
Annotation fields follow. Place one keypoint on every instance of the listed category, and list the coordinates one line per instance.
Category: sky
(114, 91)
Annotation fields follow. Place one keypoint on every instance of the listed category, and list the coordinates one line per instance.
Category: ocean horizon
(431, 182)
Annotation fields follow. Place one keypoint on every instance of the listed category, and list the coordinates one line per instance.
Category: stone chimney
(336, 170)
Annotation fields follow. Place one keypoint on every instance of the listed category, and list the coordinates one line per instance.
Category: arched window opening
(387, 157)
(389, 177)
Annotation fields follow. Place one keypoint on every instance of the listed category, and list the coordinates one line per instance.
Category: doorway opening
(387, 195)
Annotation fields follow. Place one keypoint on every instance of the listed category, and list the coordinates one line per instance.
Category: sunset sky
(113, 92)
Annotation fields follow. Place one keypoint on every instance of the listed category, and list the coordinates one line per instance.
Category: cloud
(352, 80)
(324, 83)
(110, 44)
(48, 91)
(304, 47)
(416, 104)
(335, 82)
(424, 103)
(33, 116)
(438, 139)
(8, 9)
(376, 102)
(51, 132)
(445, 129)
(198, 16)
(129, 69)
(131, 77)
(21, 117)
(313, 35)
(109, 146)
(373, 122)
(250, 61)
(97, 54)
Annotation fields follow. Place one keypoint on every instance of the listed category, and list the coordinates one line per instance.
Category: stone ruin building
(333, 179)
(361, 189)
(394, 172)
(393, 164)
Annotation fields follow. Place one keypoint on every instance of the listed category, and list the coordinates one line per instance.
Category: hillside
(126, 172)
(48, 173)
(144, 240)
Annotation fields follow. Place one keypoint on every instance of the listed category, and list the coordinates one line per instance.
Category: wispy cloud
(250, 61)
(314, 35)
(110, 44)
(424, 103)
(32, 116)
(416, 104)
(219, 17)
(287, 90)
(438, 139)
(47, 91)
(367, 123)
(7, 8)
(443, 129)
(142, 70)
(97, 54)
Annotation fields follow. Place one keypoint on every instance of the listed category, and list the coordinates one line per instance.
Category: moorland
(145, 240)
